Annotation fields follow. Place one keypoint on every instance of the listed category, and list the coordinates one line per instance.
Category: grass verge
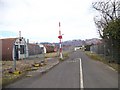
(10, 78)
(51, 55)
(56, 55)
(102, 59)
(21, 66)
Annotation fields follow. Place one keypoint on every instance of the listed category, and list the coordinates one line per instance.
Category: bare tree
(108, 25)
(108, 12)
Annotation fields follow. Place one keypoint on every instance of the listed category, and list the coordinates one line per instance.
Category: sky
(38, 20)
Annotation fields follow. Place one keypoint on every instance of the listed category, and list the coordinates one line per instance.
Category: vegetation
(23, 67)
(10, 77)
(56, 55)
(108, 25)
(102, 59)
(51, 55)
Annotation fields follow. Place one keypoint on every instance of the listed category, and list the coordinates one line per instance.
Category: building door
(16, 52)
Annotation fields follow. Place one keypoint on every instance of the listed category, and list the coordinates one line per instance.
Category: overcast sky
(38, 20)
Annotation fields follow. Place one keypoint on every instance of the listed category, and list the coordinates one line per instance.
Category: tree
(108, 24)
(108, 12)
(112, 30)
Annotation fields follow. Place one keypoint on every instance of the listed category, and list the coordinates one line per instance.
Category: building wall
(34, 49)
(9, 51)
(7, 48)
(42, 48)
(49, 48)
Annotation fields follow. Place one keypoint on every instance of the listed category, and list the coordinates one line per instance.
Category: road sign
(60, 37)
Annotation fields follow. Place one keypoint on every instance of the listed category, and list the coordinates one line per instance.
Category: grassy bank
(102, 59)
(56, 55)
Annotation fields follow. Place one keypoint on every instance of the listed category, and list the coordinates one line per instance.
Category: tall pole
(60, 44)
(14, 66)
(18, 51)
(19, 44)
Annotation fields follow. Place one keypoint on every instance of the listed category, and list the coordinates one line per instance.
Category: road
(79, 71)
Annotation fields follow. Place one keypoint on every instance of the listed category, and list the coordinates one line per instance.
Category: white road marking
(81, 75)
(73, 61)
(81, 72)
(111, 68)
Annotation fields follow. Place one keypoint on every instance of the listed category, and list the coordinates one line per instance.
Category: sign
(60, 37)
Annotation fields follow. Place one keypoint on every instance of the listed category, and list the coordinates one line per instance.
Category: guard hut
(14, 48)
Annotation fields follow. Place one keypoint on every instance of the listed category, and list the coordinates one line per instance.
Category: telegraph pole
(17, 51)
(19, 44)
(60, 43)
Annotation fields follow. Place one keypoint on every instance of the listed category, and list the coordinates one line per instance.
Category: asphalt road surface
(79, 71)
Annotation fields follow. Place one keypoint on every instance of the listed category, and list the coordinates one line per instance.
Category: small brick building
(13, 48)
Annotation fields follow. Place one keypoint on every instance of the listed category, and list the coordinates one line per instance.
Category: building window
(22, 49)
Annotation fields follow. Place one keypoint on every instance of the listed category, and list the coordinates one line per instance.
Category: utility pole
(14, 66)
(60, 43)
(18, 50)
(19, 44)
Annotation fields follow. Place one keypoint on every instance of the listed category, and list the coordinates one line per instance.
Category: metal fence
(108, 51)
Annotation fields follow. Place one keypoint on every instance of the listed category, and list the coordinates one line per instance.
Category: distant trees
(108, 24)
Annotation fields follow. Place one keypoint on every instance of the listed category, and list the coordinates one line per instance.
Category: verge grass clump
(100, 58)
(51, 55)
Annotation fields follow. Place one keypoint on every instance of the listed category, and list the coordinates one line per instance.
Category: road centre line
(81, 74)
(80, 70)
(73, 61)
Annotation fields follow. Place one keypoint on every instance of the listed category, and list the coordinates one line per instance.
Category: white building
(42, 48)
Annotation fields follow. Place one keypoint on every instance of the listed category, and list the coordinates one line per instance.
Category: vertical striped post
(60, 37)
(19, 45)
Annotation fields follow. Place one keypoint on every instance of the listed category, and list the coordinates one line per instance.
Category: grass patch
(56, 54)
(8, 78)
(102, 59)
(94, 56)
(51, 55)
(21, 66)
(65, 54)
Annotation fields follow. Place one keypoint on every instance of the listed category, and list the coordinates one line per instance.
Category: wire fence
(108, 51)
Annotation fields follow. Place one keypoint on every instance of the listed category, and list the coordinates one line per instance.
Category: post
(104, 50)
(19, 44)
(60, 49)
(25, 52)
(60, 44)
(14, 66)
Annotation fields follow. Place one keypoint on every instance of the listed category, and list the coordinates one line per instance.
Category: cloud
(38, 19)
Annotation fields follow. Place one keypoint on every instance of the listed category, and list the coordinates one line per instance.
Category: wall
(34, 49)
(7, 48)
